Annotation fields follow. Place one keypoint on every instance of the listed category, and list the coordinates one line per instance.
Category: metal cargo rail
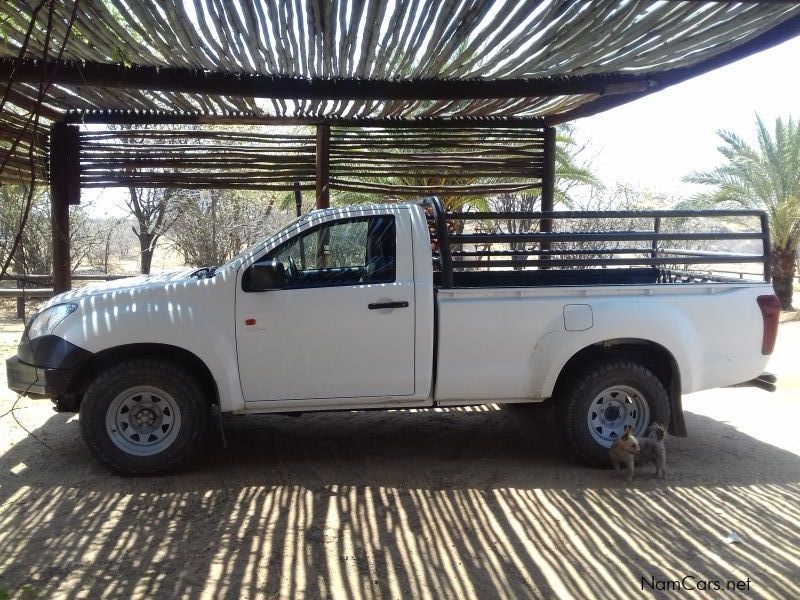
(474, 241)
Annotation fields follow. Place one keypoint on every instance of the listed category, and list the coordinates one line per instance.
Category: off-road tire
(185, 393)
(577, 396)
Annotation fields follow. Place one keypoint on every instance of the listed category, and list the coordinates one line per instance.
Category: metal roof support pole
(323, 165)
(548, 187)
(65, 189)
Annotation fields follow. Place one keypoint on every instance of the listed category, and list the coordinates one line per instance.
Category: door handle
(377, 305)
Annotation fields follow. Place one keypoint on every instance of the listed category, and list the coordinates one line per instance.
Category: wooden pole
(298, 199)
(64, 190)
(154, 117)
(323, 165)
(60, 222)
(548, 185)
(201, 81)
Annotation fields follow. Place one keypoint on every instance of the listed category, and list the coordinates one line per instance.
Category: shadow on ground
(469, 503)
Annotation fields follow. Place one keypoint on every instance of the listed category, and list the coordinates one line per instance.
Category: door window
(347, 252)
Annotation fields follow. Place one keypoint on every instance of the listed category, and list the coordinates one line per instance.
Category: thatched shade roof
(430, 63)
(373, 58)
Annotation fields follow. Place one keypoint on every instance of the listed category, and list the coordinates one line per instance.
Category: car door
(343, 325)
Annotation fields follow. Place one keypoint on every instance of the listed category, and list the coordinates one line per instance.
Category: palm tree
(766, 178)
(569, 171)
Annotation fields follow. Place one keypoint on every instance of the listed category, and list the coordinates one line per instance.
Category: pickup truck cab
(369, 307)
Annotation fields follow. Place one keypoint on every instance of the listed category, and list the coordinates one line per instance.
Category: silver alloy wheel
(613, 409)
(143, 420)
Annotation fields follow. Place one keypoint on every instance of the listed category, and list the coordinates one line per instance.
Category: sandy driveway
(448, 504)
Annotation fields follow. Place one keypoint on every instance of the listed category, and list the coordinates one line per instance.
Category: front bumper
(34, 381)
(44, 367)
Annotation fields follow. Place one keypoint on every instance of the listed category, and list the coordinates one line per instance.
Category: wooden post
(65, 189)
(323, 165)
(298, 199)
(298, 207)
(548, 185)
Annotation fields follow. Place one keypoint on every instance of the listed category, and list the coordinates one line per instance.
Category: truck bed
(514, 342)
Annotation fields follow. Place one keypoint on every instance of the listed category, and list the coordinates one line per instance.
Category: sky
(654, 142)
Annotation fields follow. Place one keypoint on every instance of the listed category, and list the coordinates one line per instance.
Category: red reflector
(249, 321)
(770, 311)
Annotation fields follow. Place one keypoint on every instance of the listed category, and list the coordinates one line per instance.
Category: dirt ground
(479, 503)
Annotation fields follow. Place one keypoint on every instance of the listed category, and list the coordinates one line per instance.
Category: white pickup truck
(380, 306)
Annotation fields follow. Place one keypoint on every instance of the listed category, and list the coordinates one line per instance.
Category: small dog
(624, 450)
(652, 450)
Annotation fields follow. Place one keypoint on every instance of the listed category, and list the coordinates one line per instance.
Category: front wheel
(143, 416)
(599, 402)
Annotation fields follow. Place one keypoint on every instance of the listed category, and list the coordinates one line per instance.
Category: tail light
(770, 311)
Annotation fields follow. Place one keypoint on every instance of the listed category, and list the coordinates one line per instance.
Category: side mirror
(265, 275)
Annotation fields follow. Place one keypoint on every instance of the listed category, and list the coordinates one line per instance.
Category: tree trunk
(19, 269)
(783, 272)
(107, 252)
(146, 243)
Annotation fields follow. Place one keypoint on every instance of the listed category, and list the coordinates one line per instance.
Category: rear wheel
(143, 416)
(599, 402)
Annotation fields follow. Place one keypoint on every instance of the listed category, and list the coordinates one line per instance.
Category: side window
(347, 252)
(346, 246)
(299, 252)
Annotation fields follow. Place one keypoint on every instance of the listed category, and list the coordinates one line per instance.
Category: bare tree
(215, 225)
(111, 229)
(34, 252)
(84, 237)
(155, 211)
(112, 238)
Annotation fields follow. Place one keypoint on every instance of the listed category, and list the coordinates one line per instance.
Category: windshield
(248, 251)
